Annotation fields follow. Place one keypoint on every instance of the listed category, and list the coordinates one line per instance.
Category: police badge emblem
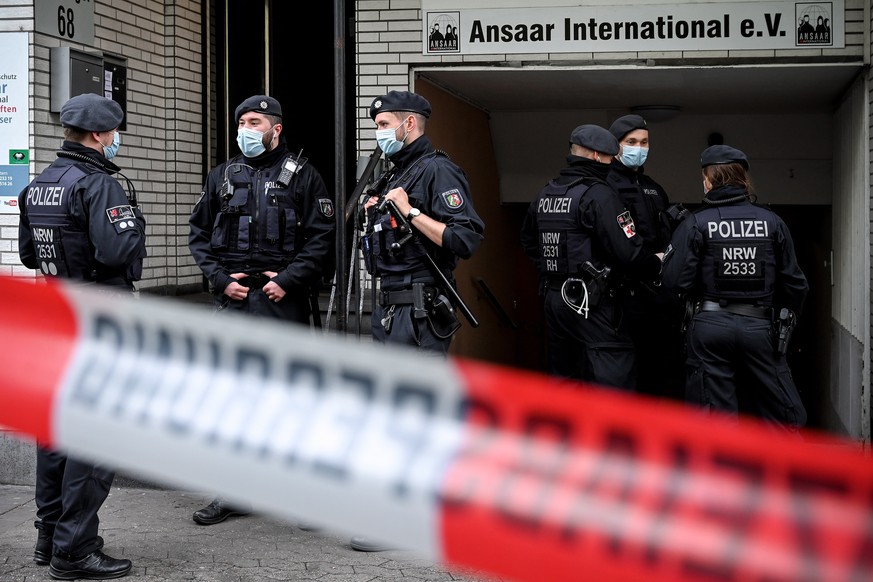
(326, 206)
(627, 224)
(452, 198)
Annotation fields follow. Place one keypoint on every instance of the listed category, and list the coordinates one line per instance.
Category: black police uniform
(653, 313)
(578, 218)
(736, 261)
(78, 223)
(248, 221)
(438, 187)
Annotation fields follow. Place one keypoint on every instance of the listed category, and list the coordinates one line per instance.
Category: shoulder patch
(326, 207)
(626, 222)
(452, 198)
(118, 213)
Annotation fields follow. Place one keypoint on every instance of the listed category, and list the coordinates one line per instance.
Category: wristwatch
(413, 212)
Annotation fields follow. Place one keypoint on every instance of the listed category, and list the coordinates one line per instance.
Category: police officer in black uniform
(583, 240)
(428, 190)
(78, 223)
(262, 233)
(735, 260)
(653, 313)
(431, 192)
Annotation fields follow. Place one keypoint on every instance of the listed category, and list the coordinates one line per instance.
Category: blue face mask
(250, 142)
(111, 150)
(387, 140)
(633, 156)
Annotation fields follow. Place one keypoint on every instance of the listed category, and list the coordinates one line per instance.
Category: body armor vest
(61, 246)
(738, 262)
(563, 245)
(256, 226)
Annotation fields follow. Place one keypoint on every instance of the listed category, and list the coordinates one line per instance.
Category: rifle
(362, 183)
(406, 228)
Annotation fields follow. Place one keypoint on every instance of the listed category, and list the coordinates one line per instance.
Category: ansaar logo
(814, 23)
(442, 32)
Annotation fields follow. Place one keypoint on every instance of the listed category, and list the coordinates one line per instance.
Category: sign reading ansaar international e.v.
(688, 26)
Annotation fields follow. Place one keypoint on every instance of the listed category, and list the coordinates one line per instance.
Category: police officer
(735, 260)
(262, 233)
(583, 239)
(78, 223)
(653, 313)
(431, 192)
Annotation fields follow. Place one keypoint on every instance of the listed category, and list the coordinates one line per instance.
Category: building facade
(507, 82)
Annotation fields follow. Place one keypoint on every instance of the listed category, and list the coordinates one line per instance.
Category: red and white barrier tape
(480, 466)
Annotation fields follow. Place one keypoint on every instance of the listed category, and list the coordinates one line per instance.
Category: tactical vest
(738, 262)
(258, 223)
(563, 246)
(62, 247)
(391, 249)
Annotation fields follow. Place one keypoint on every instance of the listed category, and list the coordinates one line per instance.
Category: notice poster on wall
(14, 119)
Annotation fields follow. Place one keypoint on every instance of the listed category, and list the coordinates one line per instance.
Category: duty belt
(738, 309)
(403, 296)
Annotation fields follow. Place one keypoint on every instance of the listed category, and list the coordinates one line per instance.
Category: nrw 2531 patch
(326, 206)
(627, 224)
(452, 198)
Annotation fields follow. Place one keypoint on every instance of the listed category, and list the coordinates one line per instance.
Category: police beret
(259, 104)
(595, 138)
(626, 124)
(723, 154)
(91, 112)
(399, 101)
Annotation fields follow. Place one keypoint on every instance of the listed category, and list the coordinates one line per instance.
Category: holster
(441, 317)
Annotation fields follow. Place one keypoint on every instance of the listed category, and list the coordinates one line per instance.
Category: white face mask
(251, 142)
(111, 150)
(633, 156)
(387, 140)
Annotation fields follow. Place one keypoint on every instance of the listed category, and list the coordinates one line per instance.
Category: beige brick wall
(161, 149)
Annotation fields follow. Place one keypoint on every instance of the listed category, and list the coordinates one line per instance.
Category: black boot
(216, 512)
(42, 552)
(365, 544)
(94, 566)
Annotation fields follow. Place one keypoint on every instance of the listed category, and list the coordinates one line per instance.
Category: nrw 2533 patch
(626, 222)
(452, 198)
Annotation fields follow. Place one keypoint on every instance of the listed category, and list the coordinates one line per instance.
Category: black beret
(91, 112)
(595, 138)
(399, 101)
(259, 104)
(626, 124)
(723, 154)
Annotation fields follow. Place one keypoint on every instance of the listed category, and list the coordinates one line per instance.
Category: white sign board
(69, 19)
(689, 26)
(14, 120)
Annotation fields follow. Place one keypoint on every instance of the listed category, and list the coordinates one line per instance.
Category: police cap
(91, 112)
(626, 124)
(259, 104)
(399, 101)
(595, 138)
(723, 154)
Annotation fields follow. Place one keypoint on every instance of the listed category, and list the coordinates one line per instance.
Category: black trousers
(732, 367)
(69, 492)
(294, 306)
(407, 330)
(597, 349)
